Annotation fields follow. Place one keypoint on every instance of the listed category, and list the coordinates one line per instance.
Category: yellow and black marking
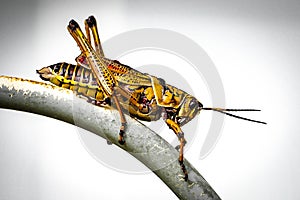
(143, 96)
(73, 77)
(98, 67)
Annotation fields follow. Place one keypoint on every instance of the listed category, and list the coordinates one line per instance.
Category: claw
(121, 138)
(121, 142)
(108, 142)
(186, 177)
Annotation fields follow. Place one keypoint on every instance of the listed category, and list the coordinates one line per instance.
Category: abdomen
(73, 77)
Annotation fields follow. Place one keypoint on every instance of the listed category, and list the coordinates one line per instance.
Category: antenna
(225, 111)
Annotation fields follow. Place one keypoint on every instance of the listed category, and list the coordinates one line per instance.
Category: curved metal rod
(141, 142)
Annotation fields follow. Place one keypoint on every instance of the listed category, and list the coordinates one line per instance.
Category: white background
(255, 47)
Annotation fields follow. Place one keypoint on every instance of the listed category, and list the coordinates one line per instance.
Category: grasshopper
(105, 82)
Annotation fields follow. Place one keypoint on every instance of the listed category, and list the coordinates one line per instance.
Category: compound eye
(192, 104)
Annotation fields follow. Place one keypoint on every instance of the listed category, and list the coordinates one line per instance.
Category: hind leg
(91, 26)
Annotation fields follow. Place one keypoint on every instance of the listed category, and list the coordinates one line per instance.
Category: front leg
(177, 130)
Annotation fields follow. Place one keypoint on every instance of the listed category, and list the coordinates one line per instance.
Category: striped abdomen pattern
(78, 79)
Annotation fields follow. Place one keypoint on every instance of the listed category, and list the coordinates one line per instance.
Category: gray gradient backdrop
(255, 46)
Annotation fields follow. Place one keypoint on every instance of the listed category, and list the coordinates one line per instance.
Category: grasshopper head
(188, 110)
